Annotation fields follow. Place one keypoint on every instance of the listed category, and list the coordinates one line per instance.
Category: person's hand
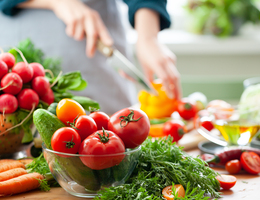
(157, 59)
(82, 21)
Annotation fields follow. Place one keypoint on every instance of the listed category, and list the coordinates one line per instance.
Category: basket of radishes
(26, 87)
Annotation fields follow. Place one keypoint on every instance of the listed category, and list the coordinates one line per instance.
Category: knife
(128, 67)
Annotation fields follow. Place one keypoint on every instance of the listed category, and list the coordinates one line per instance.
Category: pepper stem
(128, 118)
(103, 138)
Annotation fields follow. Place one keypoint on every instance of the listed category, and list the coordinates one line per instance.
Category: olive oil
(237, 132)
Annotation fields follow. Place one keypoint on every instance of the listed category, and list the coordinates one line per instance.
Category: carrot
(20, 184)
(25, 161)
(10, 164)
(12, 173)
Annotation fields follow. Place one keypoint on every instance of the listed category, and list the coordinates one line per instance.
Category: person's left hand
(157, 59)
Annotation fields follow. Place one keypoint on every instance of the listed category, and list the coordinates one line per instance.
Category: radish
(28, 99)
(11, 83)
(38, 69)
(3, 69)
(8, 103)
(24, 71)
(40, 85)
(48, 97)
(8, 58)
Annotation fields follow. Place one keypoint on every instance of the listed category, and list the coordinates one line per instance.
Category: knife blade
(128, 67)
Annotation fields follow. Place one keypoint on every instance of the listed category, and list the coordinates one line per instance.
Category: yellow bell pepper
(157, 106)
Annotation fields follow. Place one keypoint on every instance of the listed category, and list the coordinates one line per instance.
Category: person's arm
(8, 7)
(150, 17)
(81, 21)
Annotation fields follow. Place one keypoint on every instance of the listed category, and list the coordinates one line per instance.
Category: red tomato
(66, 140)
(250, 162)
(226, 181)
(85, 126)
(100, 118)
(233, 166)
(167, 192)
(207, 124)
(174, 128)
(186, 109)
(98, 146)
(131, 125)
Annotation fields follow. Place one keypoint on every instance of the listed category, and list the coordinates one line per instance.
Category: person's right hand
(82, 21)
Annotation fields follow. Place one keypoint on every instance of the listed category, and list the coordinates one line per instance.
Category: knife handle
(105, 50)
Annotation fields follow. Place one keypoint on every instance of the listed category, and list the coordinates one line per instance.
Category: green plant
(221, 17)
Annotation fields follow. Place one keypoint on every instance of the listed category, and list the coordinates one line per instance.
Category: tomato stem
(187, 106)
(128, 118)
(70, 144)
(103, 138)
(92, 109)
(73, 123)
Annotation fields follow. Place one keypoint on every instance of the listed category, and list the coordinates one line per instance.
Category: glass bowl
(81, 181)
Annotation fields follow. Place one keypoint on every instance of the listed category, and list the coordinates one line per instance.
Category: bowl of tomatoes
(84, 175)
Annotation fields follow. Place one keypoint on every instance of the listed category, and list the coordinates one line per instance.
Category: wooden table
(247, 186)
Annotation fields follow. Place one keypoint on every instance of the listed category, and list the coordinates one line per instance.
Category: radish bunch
(23, 85)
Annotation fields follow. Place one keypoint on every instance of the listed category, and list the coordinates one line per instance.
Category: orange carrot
(25, 161)
(20, 184)
(11, 164)
(12, 173)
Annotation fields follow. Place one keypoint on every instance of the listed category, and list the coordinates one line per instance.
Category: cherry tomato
(186, 109)
(250, 162)
(174, 128)
(66, 140)
(85, 126)
(226, 181)
(207, 124)
(233, 166)
(131, 125)
(100, 118)
(98, 146)
(167, 192)
(68, 109)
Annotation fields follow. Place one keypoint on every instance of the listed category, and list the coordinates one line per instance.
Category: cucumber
(52, 108)
(46, 124)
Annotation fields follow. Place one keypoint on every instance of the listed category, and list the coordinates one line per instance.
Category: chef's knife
(128, 68)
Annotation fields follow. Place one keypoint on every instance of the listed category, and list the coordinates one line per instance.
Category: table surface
(247, 186)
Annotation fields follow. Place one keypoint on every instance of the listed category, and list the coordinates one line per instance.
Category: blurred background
(217, 44)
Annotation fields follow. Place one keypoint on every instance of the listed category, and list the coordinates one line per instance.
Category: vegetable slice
(169, 193)
(250, 161)
(226, 181)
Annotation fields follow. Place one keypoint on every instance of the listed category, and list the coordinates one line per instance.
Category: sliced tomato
(250, 162)
(168, 192)
(226, 181)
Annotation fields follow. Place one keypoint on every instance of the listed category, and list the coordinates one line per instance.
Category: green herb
(162, 163)
(245, 182)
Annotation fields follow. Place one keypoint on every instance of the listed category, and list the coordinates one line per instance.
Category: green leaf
(82, 86)
(70, 81)
(86, 102)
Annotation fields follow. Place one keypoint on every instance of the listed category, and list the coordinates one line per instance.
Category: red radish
(8, 58)
(48, 97)
(8, 103)
(3, 69)
(40, 85)
(38, 69)
(12, 83)
(28, 98)
(24, 71)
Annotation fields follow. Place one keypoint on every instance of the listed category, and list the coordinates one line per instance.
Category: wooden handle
(105, 50)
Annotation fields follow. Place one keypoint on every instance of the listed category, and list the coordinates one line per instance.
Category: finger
(148, 73)
(79, 31)
(103, 32)
(174, 80)
(91, 34)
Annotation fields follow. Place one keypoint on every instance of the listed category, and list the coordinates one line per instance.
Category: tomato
(186, 109)
(100, 118)
(85, 126)
(131, 125)
(174, 128)
(233, 166)
(250, 162)
(66, 140)
(226, 181)
(98, 146)
(168, 193)
(68, 109)
(207, 124)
